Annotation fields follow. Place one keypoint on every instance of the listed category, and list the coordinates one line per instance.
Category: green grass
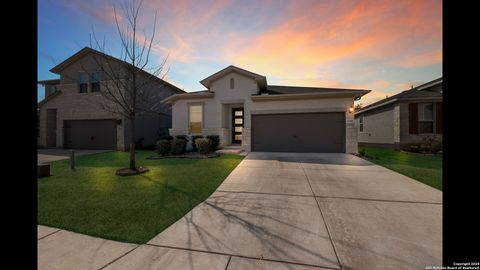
(426, 169)
(92, 200)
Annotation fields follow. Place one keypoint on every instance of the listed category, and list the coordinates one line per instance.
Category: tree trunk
(132, 143)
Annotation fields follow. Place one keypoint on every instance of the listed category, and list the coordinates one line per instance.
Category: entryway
(237, 125)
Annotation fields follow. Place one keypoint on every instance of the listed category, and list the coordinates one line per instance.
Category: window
(361, 123)
(232, 83)
(425, 118)
(83, 85)
(95, 82)
(195, 118)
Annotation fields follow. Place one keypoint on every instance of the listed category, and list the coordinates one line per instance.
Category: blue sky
(384, 46)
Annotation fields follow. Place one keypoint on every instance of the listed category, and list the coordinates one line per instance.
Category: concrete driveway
(312, 211)
(47, 155)
(281, 211)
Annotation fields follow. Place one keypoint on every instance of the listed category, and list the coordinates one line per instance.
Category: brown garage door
(90, 134)
(302, 132)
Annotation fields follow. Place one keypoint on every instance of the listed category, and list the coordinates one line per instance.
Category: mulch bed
(128, 171)
(187, 155)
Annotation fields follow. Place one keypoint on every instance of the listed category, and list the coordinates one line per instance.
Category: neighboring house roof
(261, 80)
(86, 50)
(53, 81)
(48, 98)
(419, 92)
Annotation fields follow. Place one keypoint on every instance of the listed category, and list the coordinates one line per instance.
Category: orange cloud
(360, 31)
(423, 59)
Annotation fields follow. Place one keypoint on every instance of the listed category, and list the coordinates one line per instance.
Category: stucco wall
(378, 127)
(217, 110)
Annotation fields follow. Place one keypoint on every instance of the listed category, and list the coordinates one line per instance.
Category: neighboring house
(244, 110)
(404, 118)
(72, 115)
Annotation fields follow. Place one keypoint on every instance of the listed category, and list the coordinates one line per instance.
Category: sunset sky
(384, 46)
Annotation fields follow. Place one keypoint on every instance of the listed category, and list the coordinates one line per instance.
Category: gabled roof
(261, 80)
(419, 92)
(86, 50)
(53, 81)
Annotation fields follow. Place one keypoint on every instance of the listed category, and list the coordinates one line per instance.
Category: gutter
(173, 98)
(357, 94)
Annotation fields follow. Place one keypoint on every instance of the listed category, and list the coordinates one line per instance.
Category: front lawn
(426, 169)
(92, 200)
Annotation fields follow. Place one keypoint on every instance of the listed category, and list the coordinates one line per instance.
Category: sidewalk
(60, 249)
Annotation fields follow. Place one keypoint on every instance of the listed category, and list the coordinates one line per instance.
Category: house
(72, 114)
(404, 118)
(244, 110)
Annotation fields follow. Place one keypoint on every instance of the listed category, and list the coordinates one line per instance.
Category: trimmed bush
(185, 138)
(215, 141)
(163, 147)
(362, 152)
(166, 137)
(194, 144)
(182, 137)
(204, 145)
(178, 146)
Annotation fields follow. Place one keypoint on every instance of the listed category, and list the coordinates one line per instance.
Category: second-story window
(83, 83)
(95, 82)
(232, 83)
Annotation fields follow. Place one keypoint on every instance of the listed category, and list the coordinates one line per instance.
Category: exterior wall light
(351, 109)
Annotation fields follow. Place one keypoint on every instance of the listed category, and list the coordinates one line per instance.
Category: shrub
(215, 141)
(430, 144)
(204, 145)
(184, 138)
(166, 137)
(178, 146)
(414, 147)
(163, 147)
(194, 144)
(362, 152)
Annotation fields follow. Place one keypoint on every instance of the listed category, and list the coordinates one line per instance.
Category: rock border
(128, 171)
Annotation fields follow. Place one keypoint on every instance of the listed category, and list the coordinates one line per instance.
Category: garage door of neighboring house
(301, 132)
(90, 134)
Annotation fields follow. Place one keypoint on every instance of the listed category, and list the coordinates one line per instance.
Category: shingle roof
(58, 68)
(280, 89)
(407, 94)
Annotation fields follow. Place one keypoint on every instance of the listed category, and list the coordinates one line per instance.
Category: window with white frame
(361, 123)
(425, 118)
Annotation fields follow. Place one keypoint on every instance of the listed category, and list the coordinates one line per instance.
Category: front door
(237, 125)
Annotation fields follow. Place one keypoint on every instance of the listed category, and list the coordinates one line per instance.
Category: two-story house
(72, 116)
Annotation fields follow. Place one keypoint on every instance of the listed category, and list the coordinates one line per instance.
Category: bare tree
(358, 106)
(126, 86)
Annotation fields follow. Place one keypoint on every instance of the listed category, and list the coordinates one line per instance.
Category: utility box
(43, 170)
